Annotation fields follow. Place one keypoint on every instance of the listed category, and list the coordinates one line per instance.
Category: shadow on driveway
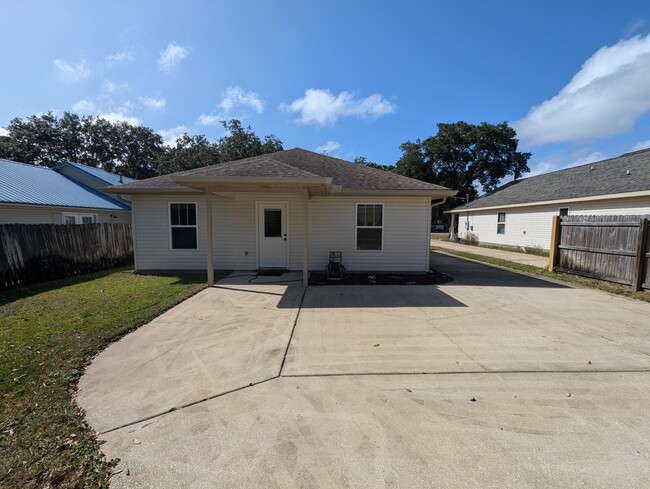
(467, 272)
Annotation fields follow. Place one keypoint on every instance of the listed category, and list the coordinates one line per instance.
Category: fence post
(641, 244)
(554, 254)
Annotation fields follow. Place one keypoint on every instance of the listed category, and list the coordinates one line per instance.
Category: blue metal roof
(98, 173)
(21, 183)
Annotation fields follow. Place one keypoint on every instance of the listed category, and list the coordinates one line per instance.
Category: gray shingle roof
(627, 173)
(297, 163)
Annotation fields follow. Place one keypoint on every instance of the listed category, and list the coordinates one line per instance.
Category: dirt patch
(430, 278)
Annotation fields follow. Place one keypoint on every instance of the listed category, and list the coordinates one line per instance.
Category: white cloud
(328, 148)
(641, 145)
(235, 96)
(171, 135)
(172, 55)
(590, 158)
(3, 132)
(71, 71)
(119, 57)
(321, 107)
(85, 106)
(153, 103)
(111, 87)
(119, 116)
(208, 120)
(607, 95)
(560, 161)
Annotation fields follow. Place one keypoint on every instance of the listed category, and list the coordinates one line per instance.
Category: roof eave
(118, 190)
(400, 192)
(626, 195)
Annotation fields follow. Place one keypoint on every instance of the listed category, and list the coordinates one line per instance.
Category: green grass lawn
(48, 333)
(543, 272)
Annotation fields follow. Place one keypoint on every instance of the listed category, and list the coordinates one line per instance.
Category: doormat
(270, 272)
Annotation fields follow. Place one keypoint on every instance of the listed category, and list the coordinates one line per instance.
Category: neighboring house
(65, 194)
(521, 212)
(254, 214)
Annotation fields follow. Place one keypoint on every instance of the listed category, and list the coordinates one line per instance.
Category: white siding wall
(25, 214)
(331, 228)
(531, 226)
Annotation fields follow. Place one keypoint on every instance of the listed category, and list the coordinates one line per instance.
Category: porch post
(208, 230)
(452, 227)
(305, 239)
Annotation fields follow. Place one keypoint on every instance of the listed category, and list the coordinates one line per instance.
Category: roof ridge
(598, 162)
(31, 165)
(630, 153)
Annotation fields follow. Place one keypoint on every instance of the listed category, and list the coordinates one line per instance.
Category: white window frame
(78, 217)
(501, 223)
(357, 227)
(171, 226)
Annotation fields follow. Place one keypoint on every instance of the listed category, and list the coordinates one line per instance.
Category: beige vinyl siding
(531, 226)
(331, 227)
(30, 214)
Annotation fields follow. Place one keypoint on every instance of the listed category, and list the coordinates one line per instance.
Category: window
(370, 226)
(74, 218)
(501, 223)
(564, 211)
(272, 223)
(182, 219)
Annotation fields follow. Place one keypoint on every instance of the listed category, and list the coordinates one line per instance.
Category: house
(65, 194)
(521, 212)
(285, 210)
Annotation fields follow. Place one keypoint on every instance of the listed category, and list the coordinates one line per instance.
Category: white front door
(272, 235)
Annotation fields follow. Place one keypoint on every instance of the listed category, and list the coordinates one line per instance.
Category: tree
(243, 142)
(461, 156)
(362, 160)
(190, 152)
(114, 146)
(197, 151)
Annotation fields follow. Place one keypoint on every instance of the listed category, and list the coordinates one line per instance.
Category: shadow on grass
(8, 296)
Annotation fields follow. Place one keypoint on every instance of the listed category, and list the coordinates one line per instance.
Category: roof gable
(627, 173)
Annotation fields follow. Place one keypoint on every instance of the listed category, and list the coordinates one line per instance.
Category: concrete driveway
(492, 380)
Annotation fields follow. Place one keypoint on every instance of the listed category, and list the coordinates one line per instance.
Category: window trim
(169, 224)
(78, 216)
(501, 223)
(356, 226)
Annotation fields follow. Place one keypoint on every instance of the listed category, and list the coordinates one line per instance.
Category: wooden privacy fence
(612, 248)
(31, 253)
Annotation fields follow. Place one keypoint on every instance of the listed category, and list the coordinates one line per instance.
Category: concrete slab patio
(485, 320)
(559, 378)
(221, 339)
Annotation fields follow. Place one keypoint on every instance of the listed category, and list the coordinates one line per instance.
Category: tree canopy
(461, 156)
(134, 151)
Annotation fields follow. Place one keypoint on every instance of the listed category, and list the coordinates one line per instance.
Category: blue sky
(356, 78)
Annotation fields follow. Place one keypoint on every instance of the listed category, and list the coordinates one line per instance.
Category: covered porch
(271, 214)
